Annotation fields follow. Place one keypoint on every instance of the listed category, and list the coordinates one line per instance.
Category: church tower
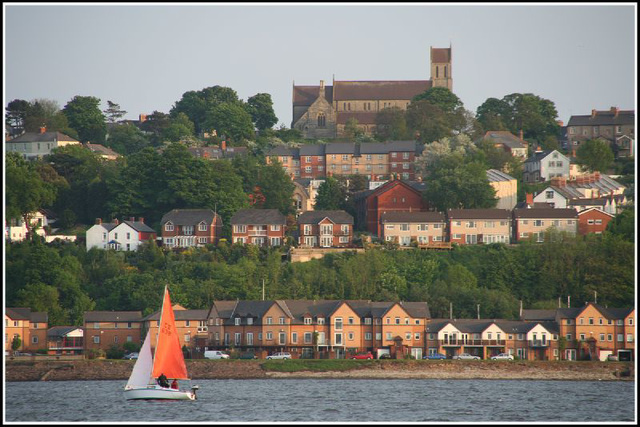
(441, 73)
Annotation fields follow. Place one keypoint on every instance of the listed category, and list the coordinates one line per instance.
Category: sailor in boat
(174, 384)
(162, 381)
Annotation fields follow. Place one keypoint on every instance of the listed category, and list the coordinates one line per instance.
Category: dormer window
(249, 320)
(168, 226)
(307, 320)
(202, 226)
(237, 319)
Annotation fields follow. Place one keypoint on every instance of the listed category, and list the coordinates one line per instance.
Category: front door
(570, 354)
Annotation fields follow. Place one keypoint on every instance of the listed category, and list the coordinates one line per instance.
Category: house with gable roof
(533, 223)
(544, 165)
(593, 220)
(36, 145)
(428, 229)
(127, 235)
(508, 142)
(103, 329)
(191, 327)
(183, 228)
(261, 227)
(615, 126)
(67, 340)
(29, 326)
(325, 229)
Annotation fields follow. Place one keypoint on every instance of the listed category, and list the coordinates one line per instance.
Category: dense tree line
(65, 280)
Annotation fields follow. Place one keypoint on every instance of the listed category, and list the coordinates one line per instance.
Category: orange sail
(168, 359)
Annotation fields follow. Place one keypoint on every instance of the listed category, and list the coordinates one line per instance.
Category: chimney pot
(593, 113)
(224, 145)
(98, 221)
(521, 135)
(132, 218)
(43, 129)
(115, 221)
(143, 117)
(141, 219)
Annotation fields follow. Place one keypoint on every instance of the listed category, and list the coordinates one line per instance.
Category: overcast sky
(145, 57)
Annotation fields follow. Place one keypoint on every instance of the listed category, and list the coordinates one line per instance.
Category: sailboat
(168, 360)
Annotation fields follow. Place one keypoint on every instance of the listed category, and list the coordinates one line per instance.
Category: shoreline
(78, 370)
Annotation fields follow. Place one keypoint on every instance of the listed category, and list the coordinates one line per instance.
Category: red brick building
(312, 161)
(325, 229)
(393, 196)
(593, 220)
(262, 227)
(183, 228)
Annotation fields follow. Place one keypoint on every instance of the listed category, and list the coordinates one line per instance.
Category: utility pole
(450, 310)
(262, 289)
(478, 311)
(595, 297)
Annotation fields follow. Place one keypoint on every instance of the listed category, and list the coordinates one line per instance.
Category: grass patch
(316, 365)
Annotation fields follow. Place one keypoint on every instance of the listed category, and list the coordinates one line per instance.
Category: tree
(179, 127)
(16, 343)
(623, 225)
(26, 191)
(331, 195)
(260, 106)
(391, 124)
(595, 155)
(113, 112)
(195, 104)
(351, 129)
(126, 139)
(492, 114)
(456, 184)
(442, 98)
(231, 120)
(277, 188)
(85, 117)
(17, 113)
(427, 121)
(437, 150)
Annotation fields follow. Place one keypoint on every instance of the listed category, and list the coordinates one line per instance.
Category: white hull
(157, 392)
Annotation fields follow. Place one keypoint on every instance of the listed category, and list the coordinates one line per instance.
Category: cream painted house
(424, 228)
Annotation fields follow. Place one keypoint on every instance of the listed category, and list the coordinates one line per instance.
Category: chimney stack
(529, 197)
(224, 145)
(43, 129)
(321, 88)
(569, 301)
(142, 117)
(115, 221)
(538, 149)
(593, 113)
(132, 218)
(615, 111)
(98, 221)
(521, 309)
(450, 310)
(141, 219)
(521, 135)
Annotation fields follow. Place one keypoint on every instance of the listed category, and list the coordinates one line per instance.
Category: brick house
(593, 220)
(262, 227)
(182, 228)
(533, 223)
(325, 229)
(29, 326)
(425, 228)
(103, 329)
(312, 161)
(615, 126)
(392, 196)
(473, 226)
(191, 327)
(288, 157)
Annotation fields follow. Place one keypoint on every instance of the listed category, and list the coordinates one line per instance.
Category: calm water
(328, 400)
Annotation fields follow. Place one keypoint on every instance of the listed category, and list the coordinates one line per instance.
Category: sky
(144, 57)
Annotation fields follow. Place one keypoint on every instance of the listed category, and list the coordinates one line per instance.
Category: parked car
(502, 356)
(385, 356)
(612, 358)
(366, 355)
(248, 355)
(465, 356)
(215, 354)
(280, 355)
(435, 356)
(131, 356)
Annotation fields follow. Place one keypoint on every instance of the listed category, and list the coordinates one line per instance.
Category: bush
(94, 353)
(130, 347)
(115, 352)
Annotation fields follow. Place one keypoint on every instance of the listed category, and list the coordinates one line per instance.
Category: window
(275, 227)
(601, 337)
(581, 321)
(269, 336)
(404, 227)
(600, 321)
(367, 336)
(34, 339)
(96, 325)
(405, 155)
(96, 339)
(397, 320)
(294, 338)
(249, 320)
(591, 320)
(282, 320)
(240, 228)
(350, 321)
(269, 320)
(338, 323)
(538, 223)
(250, 338)
(320, 320)
(629, 337)
(520, 337)
(631, 320)
(187, 230)
(620, 338)
(471, 224)
(582, 337)
(609, 337)
(407, 336)
(202, 240)
(237, 319)
(168, 226)
(307, 320)
(569, 336)
(388, 336)
(308, 337)
(350, 336)
(406, 320)
(202, 227)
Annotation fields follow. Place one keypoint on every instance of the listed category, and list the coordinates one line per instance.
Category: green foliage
(595, 155)
(391, 125)
(231, 120)
(277, 188)
(113, 112)
(131, 347)
(331, 195)
(441, 97)
(260, 106)
(84, 115)
(454, 183)
(114, 352)
(179, 128)
(126, 139)
(16, 343)
(623, 225)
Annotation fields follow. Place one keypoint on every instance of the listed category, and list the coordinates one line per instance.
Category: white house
(33, 145)
(16, 229)
(544, 165)
(122, 236)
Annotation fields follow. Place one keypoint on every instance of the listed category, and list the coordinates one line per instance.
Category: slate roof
(314, 308)
(181, 315)
(138, 226)
(314, 217)
(479, 214)
(345, 90)
(306, 95)
(495, 175)
(504, 137)
(112, 316)
(545, 213)
(61, 331)
(550, 315)
(258, 216)
(614, 313)
(101, 149)
(540, 155)
(42, 137)
(283, 150)
(18, 313)
(312, 150)
(606, 117)
(341, 148)
(412, 217)
(224, 308)
(189, 216)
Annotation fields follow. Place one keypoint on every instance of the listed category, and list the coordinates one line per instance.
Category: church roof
(379, 89)
(306, 95)
(439, 55)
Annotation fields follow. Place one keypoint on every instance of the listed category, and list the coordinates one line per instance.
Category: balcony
(258, 233)
(538, 343)
(469, 342)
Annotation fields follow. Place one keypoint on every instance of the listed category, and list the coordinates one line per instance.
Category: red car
(366, 355)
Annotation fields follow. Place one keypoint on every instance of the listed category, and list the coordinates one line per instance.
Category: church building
(323, 111)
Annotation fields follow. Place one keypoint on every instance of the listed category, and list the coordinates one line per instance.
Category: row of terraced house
(338, 328)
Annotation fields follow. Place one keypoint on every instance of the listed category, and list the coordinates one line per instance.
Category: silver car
(502, 356)
(281, 355)
(465, 356)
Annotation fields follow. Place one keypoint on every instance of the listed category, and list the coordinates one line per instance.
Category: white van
(215, 354)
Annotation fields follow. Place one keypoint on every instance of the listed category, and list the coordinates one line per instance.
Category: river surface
(330, 400)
